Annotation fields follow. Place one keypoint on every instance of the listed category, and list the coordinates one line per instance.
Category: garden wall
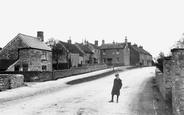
(11, 81)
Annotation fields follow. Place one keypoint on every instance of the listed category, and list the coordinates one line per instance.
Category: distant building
(26, 53)
(115, 53)
(88, 54)
(74, 55)
(95, 49)
(139, 55)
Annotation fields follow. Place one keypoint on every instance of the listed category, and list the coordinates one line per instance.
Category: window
(44, 68)
(117, 60)
(104, 60)
(25, 67)
(117, 51)
(44, 55)
(17, 67)
(104, 52)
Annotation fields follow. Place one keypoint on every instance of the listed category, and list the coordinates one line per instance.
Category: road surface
(92, 98)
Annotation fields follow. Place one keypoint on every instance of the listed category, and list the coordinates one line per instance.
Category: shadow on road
(150, 100)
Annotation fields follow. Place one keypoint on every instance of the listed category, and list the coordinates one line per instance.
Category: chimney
(70, 41)
(96, 42)
(40, 36)
(126, 39)
(103, 42)
(141, 47)
(135, 45)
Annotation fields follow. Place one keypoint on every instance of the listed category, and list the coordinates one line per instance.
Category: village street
(138, 97)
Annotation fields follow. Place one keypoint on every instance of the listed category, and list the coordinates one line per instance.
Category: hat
(116, 74)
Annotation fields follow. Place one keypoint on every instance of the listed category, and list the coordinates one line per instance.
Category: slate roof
(140, 50)
(113, 46)
(4, 64)
(95, 46)
(71, 47)
(33, 42)
(85, 48)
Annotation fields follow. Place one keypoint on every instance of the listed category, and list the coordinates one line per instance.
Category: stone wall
(33, 58)
(160, 82)
(11, 81)
(77, 70)
(177, 73)
(16, 80)
(10, 51)
(167, 79)
(32, 76)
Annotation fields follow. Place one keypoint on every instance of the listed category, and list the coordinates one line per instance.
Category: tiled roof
(113, 46)
(140, 50)
(34, 42)
(4, 64)
(85, 48)
(71, 47)
(95, 46)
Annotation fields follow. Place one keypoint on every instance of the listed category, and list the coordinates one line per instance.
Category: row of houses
(28, 53)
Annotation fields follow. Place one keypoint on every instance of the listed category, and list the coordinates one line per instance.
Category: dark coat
(116, 87)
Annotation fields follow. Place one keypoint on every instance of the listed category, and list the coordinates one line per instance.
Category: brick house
(88, 54)
(26, 53)
(72, 53)
(138, 54)
(95, 49)
(115, 53)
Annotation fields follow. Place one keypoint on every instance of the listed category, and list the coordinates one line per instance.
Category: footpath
(36, 88)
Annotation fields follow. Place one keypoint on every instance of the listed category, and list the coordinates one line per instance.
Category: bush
(159, 65)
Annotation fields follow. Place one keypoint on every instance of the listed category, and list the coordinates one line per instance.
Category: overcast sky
(154, 24)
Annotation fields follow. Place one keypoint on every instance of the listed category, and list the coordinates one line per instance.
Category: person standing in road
(116, 88)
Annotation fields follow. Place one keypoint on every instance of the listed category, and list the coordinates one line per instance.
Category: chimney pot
(135, 45)
(40, 36)
(140, 47)
(96, 42)
(103, 42)
(70, 41)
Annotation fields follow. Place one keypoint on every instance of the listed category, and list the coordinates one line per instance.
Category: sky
(154, 24)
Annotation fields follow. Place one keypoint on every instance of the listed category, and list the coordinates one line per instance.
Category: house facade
(139, 55)
(73, 54)
(26, 53)
(115, 53)
(88, 57)
(96, 51)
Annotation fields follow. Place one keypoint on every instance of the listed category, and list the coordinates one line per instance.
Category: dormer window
(44, 55)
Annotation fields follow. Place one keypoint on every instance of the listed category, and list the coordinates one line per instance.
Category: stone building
(26, 53)
(72, 53)
(139, 55)
(115, 53)
(95, 49)
(88, 54)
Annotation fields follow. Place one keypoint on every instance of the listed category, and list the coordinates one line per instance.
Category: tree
(160, 60)
(57, 50)
(180, 42)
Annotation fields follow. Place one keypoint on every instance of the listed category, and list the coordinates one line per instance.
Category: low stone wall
(77, 70)
(31, 76)
(11, 81)
(167, 79)
(177, 81)
(160, 82)
(16, 80)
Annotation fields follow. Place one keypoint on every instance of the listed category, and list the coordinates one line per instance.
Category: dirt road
(91, 98)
